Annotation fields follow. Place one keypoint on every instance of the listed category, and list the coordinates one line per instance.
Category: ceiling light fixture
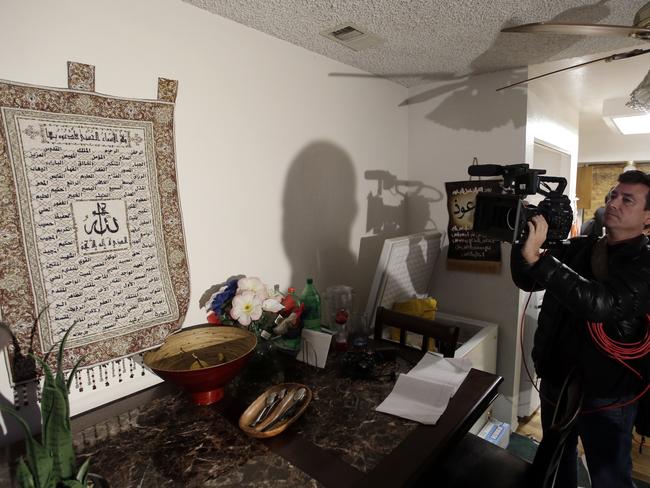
(626, 120)
(629, 166)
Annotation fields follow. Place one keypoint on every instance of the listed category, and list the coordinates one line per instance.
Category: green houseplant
(51, 462)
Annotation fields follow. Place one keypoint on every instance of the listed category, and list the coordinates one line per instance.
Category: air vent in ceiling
(352, 36)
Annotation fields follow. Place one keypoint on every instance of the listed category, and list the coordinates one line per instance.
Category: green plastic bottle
(289, 342)
(311, 299)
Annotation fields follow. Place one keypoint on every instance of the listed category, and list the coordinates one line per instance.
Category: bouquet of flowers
(249, 303)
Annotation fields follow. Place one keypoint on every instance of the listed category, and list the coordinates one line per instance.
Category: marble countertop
(171, 442)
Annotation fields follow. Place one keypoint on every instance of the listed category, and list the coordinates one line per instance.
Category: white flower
(272, 292)
(272, 305)
(254, 285)
(246, 307)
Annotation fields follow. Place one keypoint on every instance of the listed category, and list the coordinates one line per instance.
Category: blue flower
(221, 298)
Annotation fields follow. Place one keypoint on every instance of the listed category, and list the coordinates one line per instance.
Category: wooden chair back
(446, 336)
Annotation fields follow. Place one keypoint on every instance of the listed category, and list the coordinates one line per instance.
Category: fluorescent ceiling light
(624, 119)
(638, 124)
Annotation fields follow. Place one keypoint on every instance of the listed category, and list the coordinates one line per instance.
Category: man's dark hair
(635, 176)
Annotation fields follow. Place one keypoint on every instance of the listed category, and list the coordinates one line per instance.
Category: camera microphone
(376, 174)
(485, 170)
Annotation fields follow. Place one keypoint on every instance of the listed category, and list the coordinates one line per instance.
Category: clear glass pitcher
(340, 301)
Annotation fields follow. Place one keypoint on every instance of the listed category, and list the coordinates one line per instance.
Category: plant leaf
(59, 356)
(61, 382)
(52, 463)
(46, 397)
(83, 471)
(39, 461)
(58, 435)
(71, 484)
(24, 475)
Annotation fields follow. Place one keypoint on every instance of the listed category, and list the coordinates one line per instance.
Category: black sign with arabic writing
(464, 243)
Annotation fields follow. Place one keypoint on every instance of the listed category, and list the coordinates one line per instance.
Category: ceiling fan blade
(388, 76)
(612, 57)
(582, 29)
(372, 75)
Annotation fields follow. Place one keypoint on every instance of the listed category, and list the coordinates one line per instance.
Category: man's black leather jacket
(620, 300)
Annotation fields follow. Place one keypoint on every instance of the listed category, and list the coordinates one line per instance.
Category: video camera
(503, 216)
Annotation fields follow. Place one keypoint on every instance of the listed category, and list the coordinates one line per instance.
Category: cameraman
(590, 280)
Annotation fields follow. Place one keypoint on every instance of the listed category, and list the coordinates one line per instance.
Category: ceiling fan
(640, 97)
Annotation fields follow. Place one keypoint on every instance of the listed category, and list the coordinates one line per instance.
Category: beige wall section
(552, 143)
(449, 124)
(254, 114)
(600, 143)
(271, 151)
(553, 120)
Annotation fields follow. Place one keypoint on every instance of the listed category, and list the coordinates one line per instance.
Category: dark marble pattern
(342, 417)
(344, 420)
(171, 442)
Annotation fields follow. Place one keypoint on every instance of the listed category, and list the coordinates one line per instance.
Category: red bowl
(202, 359)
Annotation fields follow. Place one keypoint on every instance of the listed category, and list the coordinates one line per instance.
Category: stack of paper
(446, 371)
(424, 392)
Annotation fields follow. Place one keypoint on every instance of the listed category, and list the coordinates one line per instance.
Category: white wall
(552, 138)
(604, 81)
(553, 119)
(449, 124)
(600, 143)
(271, 151)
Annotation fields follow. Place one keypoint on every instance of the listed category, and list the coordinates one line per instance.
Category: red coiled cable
(621, 352)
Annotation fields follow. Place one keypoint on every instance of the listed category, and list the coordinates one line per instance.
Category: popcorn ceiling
(439, 38)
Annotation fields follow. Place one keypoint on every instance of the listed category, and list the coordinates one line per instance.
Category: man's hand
(537, 229)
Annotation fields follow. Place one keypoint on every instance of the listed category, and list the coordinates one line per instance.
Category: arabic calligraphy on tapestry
(92, 222)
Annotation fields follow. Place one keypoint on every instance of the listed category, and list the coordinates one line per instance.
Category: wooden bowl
(202, 359)
(250, 414)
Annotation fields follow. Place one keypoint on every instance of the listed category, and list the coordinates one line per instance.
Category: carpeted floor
(525, 448)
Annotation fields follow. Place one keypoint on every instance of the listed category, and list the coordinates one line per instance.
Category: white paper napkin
(417, 399)
(424, 392)
(448, 371)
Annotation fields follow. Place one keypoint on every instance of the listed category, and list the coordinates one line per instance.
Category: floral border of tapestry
(91, 233)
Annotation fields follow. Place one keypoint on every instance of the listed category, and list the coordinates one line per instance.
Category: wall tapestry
(90, 232)
(469, 251)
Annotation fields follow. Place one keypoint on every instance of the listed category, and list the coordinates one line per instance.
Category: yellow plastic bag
(419, 307)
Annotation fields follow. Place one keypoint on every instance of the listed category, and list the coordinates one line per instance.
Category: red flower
(289, 305)
(298, 311)
(213, 318)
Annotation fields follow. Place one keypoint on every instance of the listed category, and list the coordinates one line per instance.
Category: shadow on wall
(24, 388)
(26, 405)
(397, 208)
(319, 208)
(473, 103)
(25, 391)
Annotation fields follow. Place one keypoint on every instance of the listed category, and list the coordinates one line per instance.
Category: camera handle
(561, 185)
